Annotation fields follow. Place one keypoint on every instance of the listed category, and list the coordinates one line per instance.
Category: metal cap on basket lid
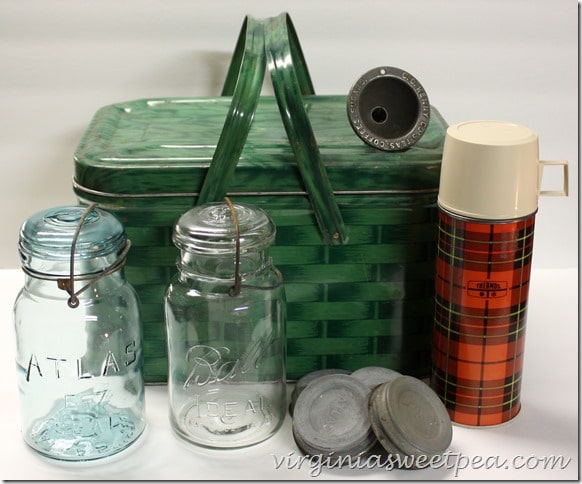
(388, 108)
(308, 378)
(331, 417)
(372, 376)
(210, 229)
(408, 415)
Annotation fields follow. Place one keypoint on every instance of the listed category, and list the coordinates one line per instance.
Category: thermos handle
(553, 193)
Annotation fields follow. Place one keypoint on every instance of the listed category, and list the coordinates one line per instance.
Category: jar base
(190, 439)
(230, 418)
(84, 434)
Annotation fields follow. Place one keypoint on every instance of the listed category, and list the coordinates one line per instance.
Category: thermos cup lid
(491, 171)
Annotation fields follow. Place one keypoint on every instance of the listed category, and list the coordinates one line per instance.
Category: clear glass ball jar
(226, 341)
(79, 357)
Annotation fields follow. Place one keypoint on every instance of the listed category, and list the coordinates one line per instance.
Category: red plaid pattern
(482, 285)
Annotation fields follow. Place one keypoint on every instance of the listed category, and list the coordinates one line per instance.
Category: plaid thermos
(489, 187)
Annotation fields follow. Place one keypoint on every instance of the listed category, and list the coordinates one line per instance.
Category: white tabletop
(540, 443)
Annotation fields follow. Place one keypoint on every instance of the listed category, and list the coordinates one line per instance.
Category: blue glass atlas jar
(225, 317)
(78, 336)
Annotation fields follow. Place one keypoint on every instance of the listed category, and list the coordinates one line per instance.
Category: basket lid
(163, 147)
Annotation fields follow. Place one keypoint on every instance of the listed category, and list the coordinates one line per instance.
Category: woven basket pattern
(366, 303)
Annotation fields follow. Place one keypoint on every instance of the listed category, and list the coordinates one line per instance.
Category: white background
(513, 60)
(60, 61)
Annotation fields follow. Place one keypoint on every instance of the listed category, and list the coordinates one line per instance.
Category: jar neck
(223, 266)
(62, 268)
(41, 277)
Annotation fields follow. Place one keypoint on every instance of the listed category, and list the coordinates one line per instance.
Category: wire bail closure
(236, 288)
(68, 284)
(238, 285)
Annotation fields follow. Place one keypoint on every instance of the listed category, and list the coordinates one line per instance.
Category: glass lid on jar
(211, 229)
(49, 234)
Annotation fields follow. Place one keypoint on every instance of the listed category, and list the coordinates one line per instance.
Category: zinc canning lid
(308, 378)
(331, 415)
(412, 417)
(372, 376)
(377, 419)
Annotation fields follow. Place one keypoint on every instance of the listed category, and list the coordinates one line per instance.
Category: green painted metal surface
(367, 302)
(356, 227)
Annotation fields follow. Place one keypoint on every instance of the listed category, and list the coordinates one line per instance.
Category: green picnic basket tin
(356, 226)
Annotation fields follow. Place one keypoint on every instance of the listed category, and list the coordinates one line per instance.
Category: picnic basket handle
(274, 40)
(291, 80)
(244, 82)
